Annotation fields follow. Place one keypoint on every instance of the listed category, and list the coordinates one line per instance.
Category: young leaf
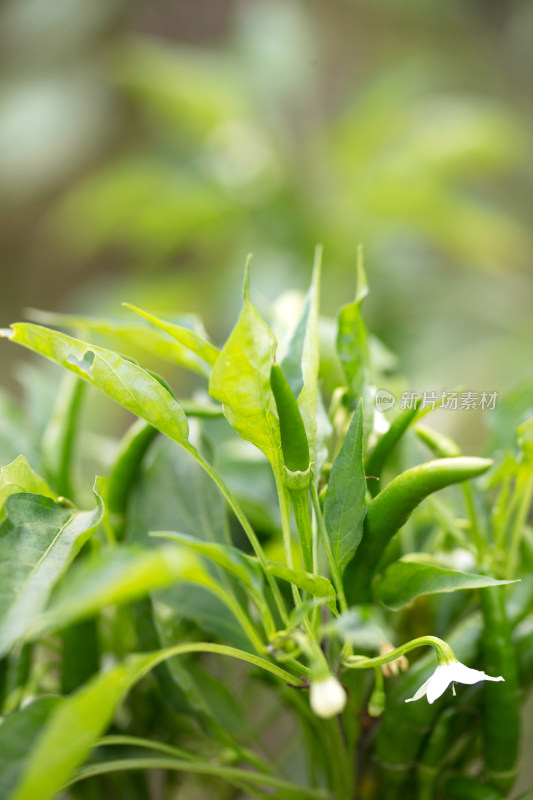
(241, 381)
(19, 477)
(404, 580)
(315, 585)
(353, 347)
(125, 382)
(186, 337)
(38, 540)
(345, 504)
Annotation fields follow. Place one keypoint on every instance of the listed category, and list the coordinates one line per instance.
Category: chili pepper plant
(264, 597)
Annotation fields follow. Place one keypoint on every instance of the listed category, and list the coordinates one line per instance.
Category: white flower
(327, 697)
(452, 672)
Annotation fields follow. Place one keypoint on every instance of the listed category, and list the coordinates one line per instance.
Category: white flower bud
(327, 697)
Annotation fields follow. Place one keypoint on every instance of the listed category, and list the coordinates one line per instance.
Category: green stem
(300, 504)
(334, 570)
(444, 652)
(252, 538)
(477, 537)
(231, 774)
(516, 531)
(239, 613)
(316, 651)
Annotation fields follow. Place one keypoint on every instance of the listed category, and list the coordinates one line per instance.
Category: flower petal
(463, 674)
(419, 692)
(439, 682)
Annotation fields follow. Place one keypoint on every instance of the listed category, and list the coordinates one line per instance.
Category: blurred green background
(146, 147)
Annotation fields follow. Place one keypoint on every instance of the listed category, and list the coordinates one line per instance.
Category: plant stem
(335, 574)
(231, 774)
(252, 538)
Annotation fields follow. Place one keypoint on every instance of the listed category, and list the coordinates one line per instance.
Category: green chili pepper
(125, 471)
(439, 444)
(446, 732)
(523, 644)
(294, 444)
(501, 718)
(464, 788)
(60, 433)
(391, 509)
(378, 457)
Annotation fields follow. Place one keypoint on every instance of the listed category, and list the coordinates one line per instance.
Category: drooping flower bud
(327, 697)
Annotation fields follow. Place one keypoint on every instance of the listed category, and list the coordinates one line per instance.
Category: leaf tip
(7, 333)
(246, 283)
(361, 290)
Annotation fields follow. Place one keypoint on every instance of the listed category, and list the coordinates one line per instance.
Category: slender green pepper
(501, 717)
(60, 433)
(439, 746)
(439, 444)
(378, 457)
(125, 471)
(391, 509)
(294, 444)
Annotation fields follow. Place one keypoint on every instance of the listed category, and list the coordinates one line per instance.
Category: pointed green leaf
(19, 477)
(226, 556)
(38, 541)
(116, 577)
(18, 733)
(241, 381)
(174, 492)
(352, 335)
(404, 580)
(315, 585)
(125, 382)
(345, 503)
(186, 337)
(71, 730)
(130, 334)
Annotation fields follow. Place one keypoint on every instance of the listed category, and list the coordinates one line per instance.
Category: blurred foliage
(145, 149)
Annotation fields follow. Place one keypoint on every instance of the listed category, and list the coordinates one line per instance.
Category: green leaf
(241, 381)
(19, 477)
(72, 729)
(38, 541)
(174, 492)
(125, 382)
(315, 585)
(116, 577)
(18, 733)
(130, 334)
(300, 364)
(226, 556)
(353, 348)
(404, 580)
(186, 337)
(352, 335)
(74, 726)
(345, 503)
